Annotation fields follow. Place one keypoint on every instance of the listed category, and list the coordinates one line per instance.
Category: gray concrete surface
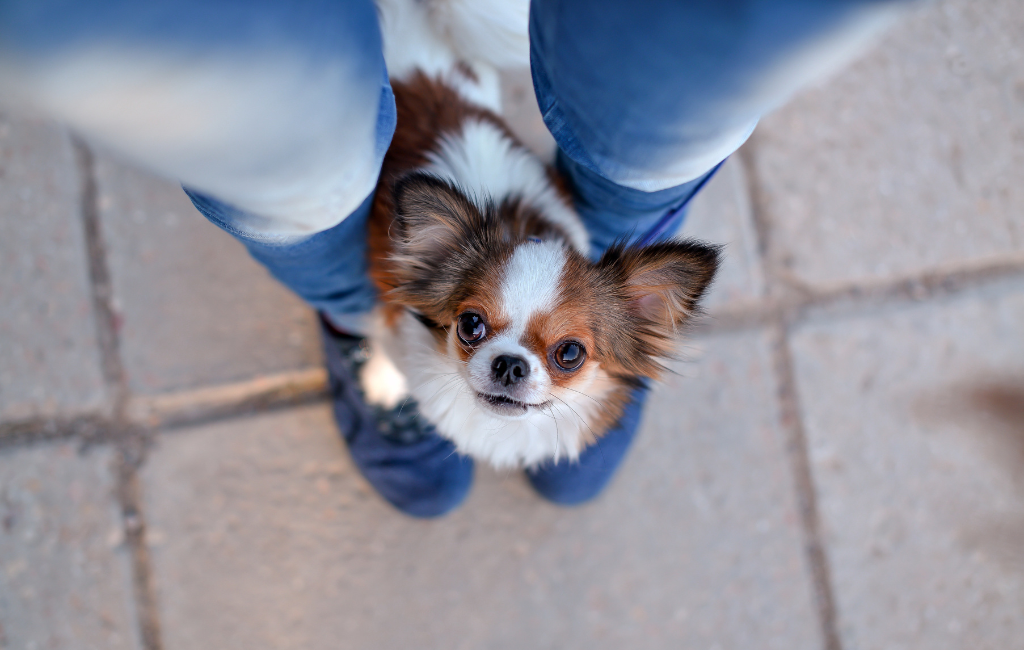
(49, 358)
(919, 460)
(519, 108)
(195, 308)
(64, 572)
(722, 214)
(274, 541)
(902, 462)
(909, 160)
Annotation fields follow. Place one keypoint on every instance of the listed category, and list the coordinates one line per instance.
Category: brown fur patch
(546, 331)
(434, 251)
(519, 221)
(561, 185)
(466, 71)
(427, 111)
(627, 310)
(657, 290)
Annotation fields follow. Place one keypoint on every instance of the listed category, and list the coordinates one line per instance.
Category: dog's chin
(506, 407)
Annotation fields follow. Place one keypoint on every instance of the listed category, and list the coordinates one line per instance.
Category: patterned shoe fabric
(396, 450)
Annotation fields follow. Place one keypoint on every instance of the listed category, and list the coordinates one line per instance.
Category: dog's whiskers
(580, 417)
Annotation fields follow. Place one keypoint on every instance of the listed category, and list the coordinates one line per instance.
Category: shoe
(571, 483)
(398, 452)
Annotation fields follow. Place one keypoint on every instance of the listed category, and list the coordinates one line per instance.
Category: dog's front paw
(383, 384)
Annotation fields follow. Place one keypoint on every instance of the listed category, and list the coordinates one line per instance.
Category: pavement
(837, 463)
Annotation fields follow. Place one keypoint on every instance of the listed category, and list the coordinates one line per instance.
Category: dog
(493, 318)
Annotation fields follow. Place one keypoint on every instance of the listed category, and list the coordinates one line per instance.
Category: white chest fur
(439, 384)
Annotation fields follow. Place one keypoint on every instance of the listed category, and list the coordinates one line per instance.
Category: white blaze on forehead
(530, 283)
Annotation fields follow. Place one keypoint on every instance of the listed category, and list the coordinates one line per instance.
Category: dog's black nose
(509, 370)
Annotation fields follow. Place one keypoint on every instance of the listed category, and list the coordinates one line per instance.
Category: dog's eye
(471, 328)
(570, 355)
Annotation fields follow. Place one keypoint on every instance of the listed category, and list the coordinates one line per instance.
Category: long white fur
(382, 382)
(437, 381)
(494, 32)
(433, 35)
(531, 280)
(413, 42)
(486, 165)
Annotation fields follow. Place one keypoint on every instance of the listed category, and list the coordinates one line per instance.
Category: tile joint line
(790, 419)
(129, 440)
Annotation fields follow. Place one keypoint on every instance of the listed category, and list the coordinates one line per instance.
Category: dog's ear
(432, 218)
(434, 226)
(660, 287)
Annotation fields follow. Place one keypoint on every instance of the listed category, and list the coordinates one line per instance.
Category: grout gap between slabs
(130, 440)
(800, 466)
(845, 300)
(150, 416)
(776, 318)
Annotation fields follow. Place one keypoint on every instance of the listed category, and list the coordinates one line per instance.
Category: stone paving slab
(65, 579)
(49, 359)
(196, 309)
(264, 536)
(909, 159)
(915, 422)
(721, 214)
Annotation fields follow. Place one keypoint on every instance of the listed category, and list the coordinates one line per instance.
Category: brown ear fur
(432, 219)
(439, 236)
(661, 286)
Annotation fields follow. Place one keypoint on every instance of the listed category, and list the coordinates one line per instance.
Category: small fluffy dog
(516, 346)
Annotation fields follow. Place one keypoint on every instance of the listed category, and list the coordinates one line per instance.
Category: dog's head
(529, 318)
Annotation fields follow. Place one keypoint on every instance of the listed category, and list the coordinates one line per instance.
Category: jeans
(276, 115)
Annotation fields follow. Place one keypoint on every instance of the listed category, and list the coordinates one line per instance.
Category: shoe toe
(405, 460)
(574, 483)
(426, 478)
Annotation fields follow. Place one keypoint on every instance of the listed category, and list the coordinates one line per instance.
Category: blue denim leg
(328, 269)
(645, 101)
(652, 95)
(275, 115)
(612, 212)
(268, 105)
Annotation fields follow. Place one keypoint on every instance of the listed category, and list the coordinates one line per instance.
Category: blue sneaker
(572, 483)
(398, 452)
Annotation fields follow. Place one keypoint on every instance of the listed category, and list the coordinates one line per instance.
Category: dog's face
(531, 321)
(523, 343)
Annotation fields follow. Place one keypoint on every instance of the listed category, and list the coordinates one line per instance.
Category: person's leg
(646, 99)
(329, 268)
(275, 115)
